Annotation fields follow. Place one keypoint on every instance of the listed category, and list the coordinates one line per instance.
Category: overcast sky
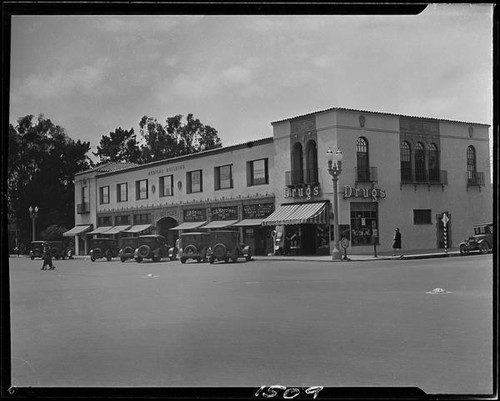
(92, 74)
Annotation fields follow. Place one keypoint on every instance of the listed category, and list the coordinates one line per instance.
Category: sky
(238, 74)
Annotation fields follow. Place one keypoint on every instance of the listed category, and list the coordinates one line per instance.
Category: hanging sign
(374, 193)
(307, 191)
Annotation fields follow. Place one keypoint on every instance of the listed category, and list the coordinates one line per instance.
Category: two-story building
(397, 171)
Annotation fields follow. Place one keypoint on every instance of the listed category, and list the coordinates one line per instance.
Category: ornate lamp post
(33, 215)
(335, 168)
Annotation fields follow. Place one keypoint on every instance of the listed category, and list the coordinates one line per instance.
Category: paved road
(253, 324)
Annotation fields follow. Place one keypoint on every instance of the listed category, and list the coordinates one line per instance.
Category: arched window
(433, 163)
(297, 164)
(311, 162)
(471, 165)
(420, 175)
(405, 161)
(362, 157)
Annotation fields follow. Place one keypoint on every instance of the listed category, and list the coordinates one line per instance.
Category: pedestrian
(47, 257)
(396, 243)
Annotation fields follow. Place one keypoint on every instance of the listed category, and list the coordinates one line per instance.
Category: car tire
(248, 258)
(92, 258)
(211, 260)
(484, 248)
(463, 250)
(183, 260)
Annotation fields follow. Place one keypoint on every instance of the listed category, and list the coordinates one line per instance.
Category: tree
(120, 145)
(42, 162)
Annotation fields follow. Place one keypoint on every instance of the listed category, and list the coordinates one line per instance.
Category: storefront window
(364, 223)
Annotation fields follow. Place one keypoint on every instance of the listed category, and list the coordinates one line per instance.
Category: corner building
(397, 171)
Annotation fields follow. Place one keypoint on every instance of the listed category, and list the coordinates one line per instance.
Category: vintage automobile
(481, 241)
(127, 245)
(225, 245)
(103, 248)
(153, 247)
(57, 248)
(194, 246)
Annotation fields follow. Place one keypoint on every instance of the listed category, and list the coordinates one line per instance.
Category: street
(378, 323)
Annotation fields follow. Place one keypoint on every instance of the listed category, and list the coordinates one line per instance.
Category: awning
(220, 223)
(298, 213)
(189, 225)
(76, 230)
(137, 229)
(248, 223)
(116, 230)
(100, 230)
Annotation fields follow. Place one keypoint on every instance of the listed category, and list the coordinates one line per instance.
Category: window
(311, 162)
(122, 220)
(422, 216)
(104, 221)
(433, 163)
(122, 192)
(104, 195)
(405, 161)
(471, 165)
(167, 185)
(362, 158)
(364, 222)
(420, 173)
(223, 177)
(141, 189)
(85, 196)
(257, 172)
(194, 181)
(142, 218)
(297, 172)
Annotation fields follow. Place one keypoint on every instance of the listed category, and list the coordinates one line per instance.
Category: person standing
(396, 242)
(47, 258)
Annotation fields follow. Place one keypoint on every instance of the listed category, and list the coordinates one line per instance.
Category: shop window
(471, 165)
(422, 216)
(364, 223)
(223, 177)
(257, 172)
(141, 189)
(194, 180)
(104, 195)
(142, 218)
(166, 186)
(420, 173)
(405, 161)
(104, 221)
(122, 192)
(433, 163)
(122, 220)
(363, 166)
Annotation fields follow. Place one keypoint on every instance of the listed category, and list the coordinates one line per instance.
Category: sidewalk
(421, 254)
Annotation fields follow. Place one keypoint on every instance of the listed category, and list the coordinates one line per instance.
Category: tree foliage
(120, 145)
(42, 162)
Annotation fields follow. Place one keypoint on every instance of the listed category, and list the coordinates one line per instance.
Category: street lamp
(335, 168)
(33, 215)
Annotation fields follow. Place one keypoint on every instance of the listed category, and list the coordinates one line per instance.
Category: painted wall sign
(224, 213)
(257, 211)
(164, 170)
(191, 215)
(307, 191)
(374, 193)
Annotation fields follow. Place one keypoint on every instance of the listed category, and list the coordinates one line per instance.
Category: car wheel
(484, 248)
(248, 257)
(32, 257)
(183, 260)
(463, 250)
(212, 260)
(138, 260)
(123, 260)
(92, 258)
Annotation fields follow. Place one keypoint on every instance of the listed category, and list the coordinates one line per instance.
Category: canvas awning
(220, 223)
(136, 229)
(100, 230)
(298, 213)
(189, 225)
(248, 223)
(116, 230)
(77, 230)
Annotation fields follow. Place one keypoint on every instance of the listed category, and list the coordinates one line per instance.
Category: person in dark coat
(396, 243)
(47, 258)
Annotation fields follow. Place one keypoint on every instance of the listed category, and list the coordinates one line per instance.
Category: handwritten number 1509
(288, 393)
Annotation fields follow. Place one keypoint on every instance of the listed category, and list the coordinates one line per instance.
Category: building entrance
(164, 227)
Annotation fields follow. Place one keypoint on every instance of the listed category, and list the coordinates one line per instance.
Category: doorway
(164, 227)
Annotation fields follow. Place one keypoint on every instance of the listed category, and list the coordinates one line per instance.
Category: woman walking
(396, 243)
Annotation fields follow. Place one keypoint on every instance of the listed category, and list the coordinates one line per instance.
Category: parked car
(127, 246)
(194, 246)
(153, 247)
(103, 248)
(481, 241)
(225, 245)
(57, 248)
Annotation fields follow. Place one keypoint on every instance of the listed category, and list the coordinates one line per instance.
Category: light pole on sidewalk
(335, 168)
(33, 215)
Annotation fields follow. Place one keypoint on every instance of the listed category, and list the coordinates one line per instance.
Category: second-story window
(194, 181)
(405, 161)
(471, 165)
(223, 177)
(104, 195)
(363, 166)
(420, 173)
(433, 163)
(257, 172)
(122, 192)
(166, 185)
(311, 173)
(85, 197)
(141, 189)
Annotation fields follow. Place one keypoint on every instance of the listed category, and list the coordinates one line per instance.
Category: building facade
(397, 171)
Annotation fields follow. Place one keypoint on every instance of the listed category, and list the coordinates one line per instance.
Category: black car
(57, 248)
(153, 247)
(225, 245)
(194, 246)
(103, 248)
(481, 241)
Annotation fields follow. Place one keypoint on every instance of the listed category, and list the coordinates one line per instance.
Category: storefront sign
(307, 191)
(224, 213)
(374, 193)
(258, 210)
(164, 170)
(192, 215)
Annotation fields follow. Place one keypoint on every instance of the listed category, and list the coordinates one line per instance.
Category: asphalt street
(425, 323)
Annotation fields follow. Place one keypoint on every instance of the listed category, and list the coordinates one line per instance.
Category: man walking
(47, 258)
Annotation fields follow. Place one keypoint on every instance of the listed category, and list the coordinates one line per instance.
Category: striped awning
(189, 225)
(137, 229)
(76, 230)
(116, 230)
(298, 213)
(100, 230)
(248, 223)
(220, 223)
